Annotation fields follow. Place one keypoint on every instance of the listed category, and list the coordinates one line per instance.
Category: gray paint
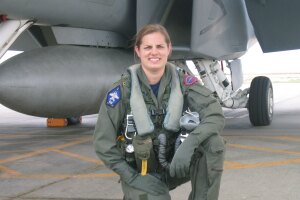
(151, 11)
(79, 36)
(276, 23)
(110, 15)
(217, 29)
(60, 81)
(220, 29)
(25, 42)
(64, 81)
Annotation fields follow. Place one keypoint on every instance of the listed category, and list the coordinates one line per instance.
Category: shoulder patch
(113, 96)
(189, 80)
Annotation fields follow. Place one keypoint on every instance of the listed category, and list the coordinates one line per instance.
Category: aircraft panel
(110, 15)
(220, 29)
(276, 23)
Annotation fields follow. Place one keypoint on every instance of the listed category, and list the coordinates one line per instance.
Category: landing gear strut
(258, 98)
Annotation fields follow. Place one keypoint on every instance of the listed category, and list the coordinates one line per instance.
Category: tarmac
(36, 162)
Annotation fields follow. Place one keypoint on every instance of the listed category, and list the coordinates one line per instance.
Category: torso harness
(139, 128)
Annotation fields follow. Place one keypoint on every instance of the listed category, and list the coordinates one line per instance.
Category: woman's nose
(154, 51)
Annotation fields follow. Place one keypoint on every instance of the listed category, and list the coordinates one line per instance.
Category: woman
(139, 125)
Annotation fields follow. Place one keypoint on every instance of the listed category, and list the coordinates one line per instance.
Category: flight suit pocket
(143, 149)
(215, 158)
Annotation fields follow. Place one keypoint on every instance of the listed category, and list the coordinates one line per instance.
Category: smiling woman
(139, 135)
(153, 53)
(153, 47)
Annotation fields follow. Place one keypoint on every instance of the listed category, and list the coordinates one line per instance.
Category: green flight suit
(207, 162)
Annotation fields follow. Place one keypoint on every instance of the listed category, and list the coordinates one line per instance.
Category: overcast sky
(255, 61)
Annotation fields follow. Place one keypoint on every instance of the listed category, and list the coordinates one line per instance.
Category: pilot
(158, 127)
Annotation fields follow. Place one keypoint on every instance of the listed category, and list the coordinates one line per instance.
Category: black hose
(162, 151)
(177, 143)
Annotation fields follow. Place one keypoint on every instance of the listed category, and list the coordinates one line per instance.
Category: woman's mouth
(154, 60)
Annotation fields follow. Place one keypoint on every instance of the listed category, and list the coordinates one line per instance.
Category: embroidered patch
(113, 97)
(189, 80)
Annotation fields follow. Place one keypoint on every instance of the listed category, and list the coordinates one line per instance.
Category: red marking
(3, 18)
(189, 80)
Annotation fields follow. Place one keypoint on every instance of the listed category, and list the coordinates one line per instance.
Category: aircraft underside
(78, 77)
(74, 50)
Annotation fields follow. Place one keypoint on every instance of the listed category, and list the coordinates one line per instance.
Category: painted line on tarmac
(32, 141)
(43, 150)
(263, 164)
(293, 138)
(256, 148)
(289, 138)
(80, 157)
(31, 134)
(57, 176)
(9, 171)
(228, 163)
(13, 135)
(15, 151)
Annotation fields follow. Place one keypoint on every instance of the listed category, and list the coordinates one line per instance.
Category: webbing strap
(142, 119)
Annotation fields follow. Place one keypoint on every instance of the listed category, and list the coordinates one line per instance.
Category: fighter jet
(75, 49)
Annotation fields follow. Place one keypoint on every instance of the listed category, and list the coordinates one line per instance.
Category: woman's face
(153, 51)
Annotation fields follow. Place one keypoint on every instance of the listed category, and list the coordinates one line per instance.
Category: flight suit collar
(138, 107)
(164, 82)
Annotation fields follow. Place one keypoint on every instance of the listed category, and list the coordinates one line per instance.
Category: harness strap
(139, 110)
(141, 115)
(155, 112)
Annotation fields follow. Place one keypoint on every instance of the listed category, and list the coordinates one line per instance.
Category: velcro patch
(189, 80)
(113, 97)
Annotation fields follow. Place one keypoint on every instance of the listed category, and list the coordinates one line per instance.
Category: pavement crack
(40, 187)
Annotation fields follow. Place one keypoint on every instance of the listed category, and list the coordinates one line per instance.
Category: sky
(254, 61)
(8, 55)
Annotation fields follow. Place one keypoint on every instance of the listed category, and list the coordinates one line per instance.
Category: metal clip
(183, 136)
(130, 127)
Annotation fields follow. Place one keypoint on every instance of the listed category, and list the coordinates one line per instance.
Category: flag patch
(113, 97)
(190, 80)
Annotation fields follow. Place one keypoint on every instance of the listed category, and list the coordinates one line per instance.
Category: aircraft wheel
(74, 120)
(261, 102)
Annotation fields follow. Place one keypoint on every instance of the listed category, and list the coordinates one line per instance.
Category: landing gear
(261, 101)
(63, 122)
(258, 98)
(74, 120)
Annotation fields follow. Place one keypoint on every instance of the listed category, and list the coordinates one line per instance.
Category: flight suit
(207, 161)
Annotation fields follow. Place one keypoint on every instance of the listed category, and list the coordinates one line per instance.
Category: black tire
(261, 101)
(74, 120)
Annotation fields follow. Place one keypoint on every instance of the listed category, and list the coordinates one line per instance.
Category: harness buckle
(130, 127)
(156, 112)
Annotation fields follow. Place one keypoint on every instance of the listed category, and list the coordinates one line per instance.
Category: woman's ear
(137, 50)
(170, 49)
